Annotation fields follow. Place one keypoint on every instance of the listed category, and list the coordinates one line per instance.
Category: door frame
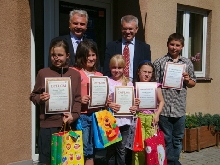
(51, 30)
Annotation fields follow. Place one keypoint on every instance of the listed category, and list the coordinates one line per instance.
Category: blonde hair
(119, 59)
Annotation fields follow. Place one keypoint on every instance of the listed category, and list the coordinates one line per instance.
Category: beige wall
(158, 21)
(15, 111)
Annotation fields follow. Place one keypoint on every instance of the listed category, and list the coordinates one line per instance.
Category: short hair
(177, 37)
(82, 54)
(146, 62)
(82, 13)
(119, 59)
(129, 18)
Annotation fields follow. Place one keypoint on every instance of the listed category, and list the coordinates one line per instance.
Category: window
(193, 26)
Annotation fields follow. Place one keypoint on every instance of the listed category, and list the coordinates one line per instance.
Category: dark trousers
(116, 153)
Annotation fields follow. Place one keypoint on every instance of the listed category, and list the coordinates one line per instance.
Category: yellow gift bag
(72, 148)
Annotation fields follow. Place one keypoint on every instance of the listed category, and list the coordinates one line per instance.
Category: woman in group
(51, 123)
(149, 117)
(86, 63)
(116, 152)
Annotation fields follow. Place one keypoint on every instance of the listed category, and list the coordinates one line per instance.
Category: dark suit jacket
(71, 49)
(141, 52)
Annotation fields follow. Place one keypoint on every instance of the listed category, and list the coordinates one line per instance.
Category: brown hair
(177, 37)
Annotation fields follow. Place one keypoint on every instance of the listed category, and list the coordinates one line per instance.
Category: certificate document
(60, 92)
(147, 93)
(173, 77)
(124, 96)
(98, 91)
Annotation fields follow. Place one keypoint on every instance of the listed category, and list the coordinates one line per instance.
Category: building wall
(157, 21)
(15, 84)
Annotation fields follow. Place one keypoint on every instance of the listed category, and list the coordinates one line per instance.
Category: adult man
(77, 24)
(136, 50)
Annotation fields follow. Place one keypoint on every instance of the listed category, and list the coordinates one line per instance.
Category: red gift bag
(134, 139)
(155, 150)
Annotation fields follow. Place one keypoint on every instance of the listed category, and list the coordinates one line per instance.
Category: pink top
(150, 111)
(120, 120)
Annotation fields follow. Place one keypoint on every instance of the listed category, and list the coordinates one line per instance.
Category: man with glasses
(132, 49)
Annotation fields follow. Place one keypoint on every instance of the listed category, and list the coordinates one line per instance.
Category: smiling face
(91, 60)
(58, 56)
(145, 73)
(78, 25)
(116, 71)
(129, 29)
(174, 48)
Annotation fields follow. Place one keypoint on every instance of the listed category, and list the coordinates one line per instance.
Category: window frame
(186, 19)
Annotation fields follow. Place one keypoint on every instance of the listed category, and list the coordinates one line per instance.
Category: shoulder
(161, 59)
(113, 43)
(63, 37)
(98, 74)
(138, 42)
(74, 71)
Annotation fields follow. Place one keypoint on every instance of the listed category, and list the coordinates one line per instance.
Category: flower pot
(197, 138)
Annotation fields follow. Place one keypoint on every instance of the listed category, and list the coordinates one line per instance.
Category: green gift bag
(56, 148)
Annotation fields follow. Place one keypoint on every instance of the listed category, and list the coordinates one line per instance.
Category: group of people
(127, 61)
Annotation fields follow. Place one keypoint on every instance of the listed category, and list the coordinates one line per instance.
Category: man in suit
(138, 51)
(77, 24)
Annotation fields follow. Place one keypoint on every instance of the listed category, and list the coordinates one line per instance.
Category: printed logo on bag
(68, 146)
(148, 149)
(76, 146)
(161, 154)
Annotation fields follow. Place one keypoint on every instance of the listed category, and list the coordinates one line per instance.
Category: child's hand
(115, 107)
(44, 97)
(133, 109)
(67, 118)
(137, 101)
(186, 77)
(109, 100)
(156, 118)
(85, 99)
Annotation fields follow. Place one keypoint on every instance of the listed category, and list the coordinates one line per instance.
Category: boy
(172, 118)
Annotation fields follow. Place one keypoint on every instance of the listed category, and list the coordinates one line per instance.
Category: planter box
(197, 138)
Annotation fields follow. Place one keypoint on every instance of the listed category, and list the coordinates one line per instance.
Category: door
(50, 19)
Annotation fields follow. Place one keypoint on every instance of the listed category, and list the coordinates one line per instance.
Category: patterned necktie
(126, 55)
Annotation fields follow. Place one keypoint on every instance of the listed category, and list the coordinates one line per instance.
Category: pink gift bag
(155, 150)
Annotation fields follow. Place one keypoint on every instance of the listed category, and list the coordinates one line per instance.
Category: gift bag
(98, 142)
(134, 139)
(67, 148)
(155, 150)
(107, 128)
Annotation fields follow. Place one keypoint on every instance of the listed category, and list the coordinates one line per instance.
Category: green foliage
(198, 119)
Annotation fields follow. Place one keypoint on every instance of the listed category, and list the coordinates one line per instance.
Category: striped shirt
(175, 100)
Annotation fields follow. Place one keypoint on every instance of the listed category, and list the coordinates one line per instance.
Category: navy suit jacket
(67, 38)
(141, 52)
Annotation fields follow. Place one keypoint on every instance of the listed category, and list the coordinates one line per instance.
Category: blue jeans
(173, 129)
(87, 133)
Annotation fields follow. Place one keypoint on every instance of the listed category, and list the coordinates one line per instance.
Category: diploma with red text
(124, 96)
(60, 92)
(173, 75)
(147, 93)
(98, 91)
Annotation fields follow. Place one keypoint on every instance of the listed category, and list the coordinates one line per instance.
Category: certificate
(173, 77)
(124, 96)
(60, 92)
(147, 93)
(98, 91)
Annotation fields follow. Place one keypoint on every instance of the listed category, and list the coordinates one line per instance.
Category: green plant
(191, 121)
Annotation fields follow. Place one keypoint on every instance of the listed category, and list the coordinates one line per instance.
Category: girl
(149, 117)
(116, 152)
(86, 63)
(51, 123)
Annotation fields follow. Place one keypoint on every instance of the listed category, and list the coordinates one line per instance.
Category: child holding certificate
(172, 118)
(52, 123)
(149, 116)
(116, 152)
(86, 63)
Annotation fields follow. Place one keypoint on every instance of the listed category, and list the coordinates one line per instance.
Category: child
(86, 63)
(51, 123)
(172, 118)
(116, 152)
(149, 117)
